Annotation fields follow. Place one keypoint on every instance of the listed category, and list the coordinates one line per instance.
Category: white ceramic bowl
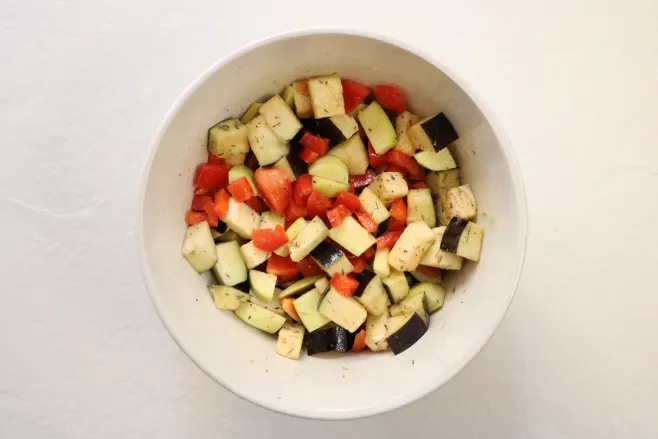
(242, 359)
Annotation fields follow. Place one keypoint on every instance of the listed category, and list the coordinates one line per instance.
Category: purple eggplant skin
(407, 335)
(243, 286)
(336, 339)
(440, 131)
(297, 165)
(452, 234)
(382, 227)
(326, 254)
(364, 279)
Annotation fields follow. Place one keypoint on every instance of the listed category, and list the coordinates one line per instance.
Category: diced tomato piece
(317, 205)
(419, 185)
(344, 285)
(192, 217)
(337, 215)
(214, 160)
(388, 239)
(366, 221)
(213, 176)
(308, 156)
(221, 203)
(429, 271)
(275, 186)
(288, 305)
(256, 204)
(317, 144)
(348, 200)
(395, 224)
(241, 189)
(376, 160)
(368, 255)
(251, 161)
(303, 188)
(269, 239)
(407, 163)
(359, 341)
(281, 266)
(353, 94)
(308, 267)
(358, 263)
(199, 202)
(399, 209)
(361, 181)
(295, 210)
(390, 98)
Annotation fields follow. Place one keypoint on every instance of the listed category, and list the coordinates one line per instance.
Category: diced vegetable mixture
(327, 215)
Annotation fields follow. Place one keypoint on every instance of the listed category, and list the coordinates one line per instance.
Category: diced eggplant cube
(433, 133)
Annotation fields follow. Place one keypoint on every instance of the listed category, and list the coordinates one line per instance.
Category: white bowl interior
(242, 358)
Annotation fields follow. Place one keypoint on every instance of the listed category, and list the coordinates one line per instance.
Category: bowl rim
(508, 153)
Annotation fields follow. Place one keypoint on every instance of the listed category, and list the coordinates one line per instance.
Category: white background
(83, 87)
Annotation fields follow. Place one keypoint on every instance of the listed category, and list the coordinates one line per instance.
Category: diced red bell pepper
(209, 208)
(407, 163)
(212, 176)
(288, 305)
(393, 168)
(199, 202)
(241, 189)
(269, 239)
(308, 156)
(337, 215)
(399, 209)
(361, 181)
(348, 200)
(214, 160)
(192, 217)
(281, 266)
(295, 210)
(275, 186)
(369, 254)
(283, 279)
(418, 185)
(376, 160)
(251, 161)
(344, 285)
(303, 187)
(317, 205)
(359, 341)
(358, 263)
(308, 267)
(366, 221)
(429, 271)
(395, 224)
(257, 204)
(390, 98)
(317, 144)
(388, 239)
(353, 94)
(200, 191)
(204, 203)
(221, 203)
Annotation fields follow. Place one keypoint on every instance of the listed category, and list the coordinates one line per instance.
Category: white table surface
(84, 85)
